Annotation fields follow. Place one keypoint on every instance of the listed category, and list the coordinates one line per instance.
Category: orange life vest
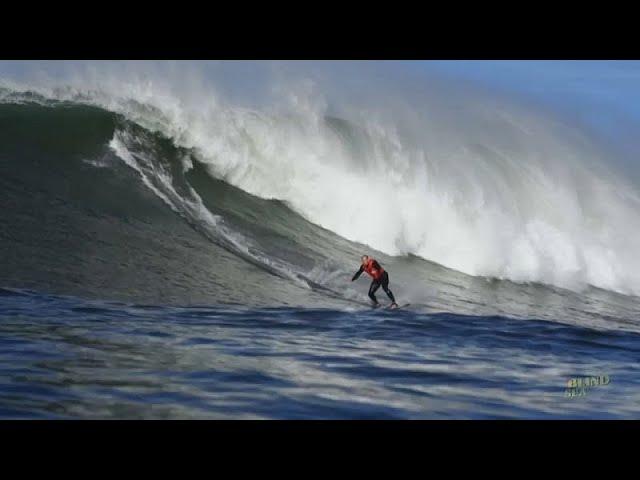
(376, 273)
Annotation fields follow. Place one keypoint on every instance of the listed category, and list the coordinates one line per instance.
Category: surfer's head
(364, 258)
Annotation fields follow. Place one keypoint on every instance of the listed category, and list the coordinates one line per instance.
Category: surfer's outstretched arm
(358, 273)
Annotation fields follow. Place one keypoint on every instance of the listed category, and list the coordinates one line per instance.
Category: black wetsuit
(375, 284)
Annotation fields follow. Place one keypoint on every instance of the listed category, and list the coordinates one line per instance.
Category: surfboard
(399, 306)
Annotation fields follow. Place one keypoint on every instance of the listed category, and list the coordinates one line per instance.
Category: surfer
(380, 278)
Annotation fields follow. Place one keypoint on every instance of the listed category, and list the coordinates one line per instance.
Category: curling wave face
(296, 191)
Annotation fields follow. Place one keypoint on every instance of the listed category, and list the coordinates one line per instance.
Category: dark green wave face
(153, 225)
(77, 220)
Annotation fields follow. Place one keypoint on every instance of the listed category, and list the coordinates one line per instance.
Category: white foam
(485, 188)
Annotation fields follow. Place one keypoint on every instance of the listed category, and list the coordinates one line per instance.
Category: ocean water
(171, 256)
(64, 357)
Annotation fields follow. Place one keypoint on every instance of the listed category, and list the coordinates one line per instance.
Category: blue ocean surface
(64, 357)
